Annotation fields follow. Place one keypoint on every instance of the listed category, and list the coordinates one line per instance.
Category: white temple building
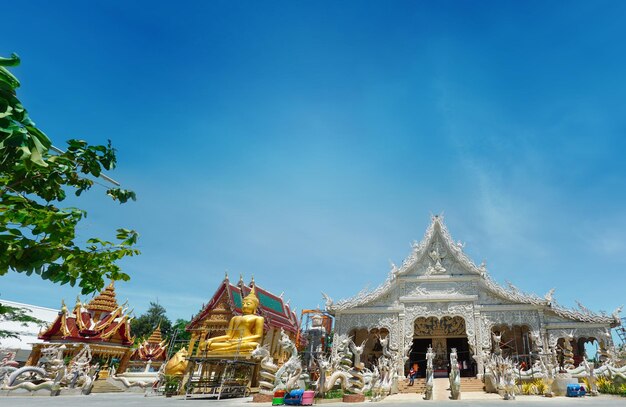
(25, 333)
(439, 297)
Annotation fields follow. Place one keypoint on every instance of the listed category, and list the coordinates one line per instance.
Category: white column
(401, 341)
(478, 341)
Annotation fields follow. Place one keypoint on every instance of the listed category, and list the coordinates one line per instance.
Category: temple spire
(105, 301)
(156, 337)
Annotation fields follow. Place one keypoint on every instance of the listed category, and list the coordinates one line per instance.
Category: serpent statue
(357, 371)
(455, 376)
(568, 352)
(327, 382)
(8, 364)
(31, 379)
(508, 382)
(268, 369)
(430, 355)
(387, 367)
(289, 374)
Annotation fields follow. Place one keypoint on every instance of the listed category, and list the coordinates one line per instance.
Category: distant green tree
(182, 336)
(36, 235)
(143, 326)
(180, 324)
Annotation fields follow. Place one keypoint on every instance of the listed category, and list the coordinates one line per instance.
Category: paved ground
(134, 400)
(440, 388)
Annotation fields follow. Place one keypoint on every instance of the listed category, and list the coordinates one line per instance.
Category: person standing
(411, 376)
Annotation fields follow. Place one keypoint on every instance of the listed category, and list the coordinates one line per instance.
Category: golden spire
(155, 337)
(105, 301)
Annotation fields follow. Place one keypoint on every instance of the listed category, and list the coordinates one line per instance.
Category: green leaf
(36, 234)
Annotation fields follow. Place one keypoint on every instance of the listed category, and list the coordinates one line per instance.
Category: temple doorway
(443, 335)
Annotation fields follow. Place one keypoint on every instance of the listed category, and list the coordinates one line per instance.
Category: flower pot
(353, 398)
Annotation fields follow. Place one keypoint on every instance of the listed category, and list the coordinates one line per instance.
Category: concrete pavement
(137, 400)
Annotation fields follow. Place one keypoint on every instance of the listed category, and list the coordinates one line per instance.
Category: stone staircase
(471, 384)
(468, 384)
(102, 386)
(419, 386)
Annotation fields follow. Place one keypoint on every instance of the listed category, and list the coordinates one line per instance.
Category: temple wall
(391, 321)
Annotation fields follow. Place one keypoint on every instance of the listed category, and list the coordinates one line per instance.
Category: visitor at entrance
(412, 373)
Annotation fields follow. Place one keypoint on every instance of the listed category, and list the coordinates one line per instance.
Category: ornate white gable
(438, 254)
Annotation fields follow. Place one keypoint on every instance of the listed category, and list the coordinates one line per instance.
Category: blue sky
(308, 143)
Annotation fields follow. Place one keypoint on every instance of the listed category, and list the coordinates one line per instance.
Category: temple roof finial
(155, 337)
(105, 301)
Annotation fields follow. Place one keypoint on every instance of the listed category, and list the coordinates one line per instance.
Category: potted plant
(172, 383)
(349, 397)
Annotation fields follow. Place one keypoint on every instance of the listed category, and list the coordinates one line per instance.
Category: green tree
(143, 326)
(182, 336)
(180, 325)
(36, 235)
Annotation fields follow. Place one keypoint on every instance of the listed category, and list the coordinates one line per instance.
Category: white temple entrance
(442, 334)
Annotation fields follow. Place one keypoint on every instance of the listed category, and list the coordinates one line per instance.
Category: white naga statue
(496, 338)
(268, 369)
(288, 376)
(428, 394)
(387, 367)
(343, 368)
(52, 376)
(455, 376)
(500, 376)
(568, 352)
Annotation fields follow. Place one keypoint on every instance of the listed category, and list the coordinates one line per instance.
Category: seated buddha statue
(244, 332)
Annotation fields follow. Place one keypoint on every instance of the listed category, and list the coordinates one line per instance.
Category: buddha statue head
(250, 302)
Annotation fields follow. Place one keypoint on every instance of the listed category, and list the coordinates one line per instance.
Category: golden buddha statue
(244, 332)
